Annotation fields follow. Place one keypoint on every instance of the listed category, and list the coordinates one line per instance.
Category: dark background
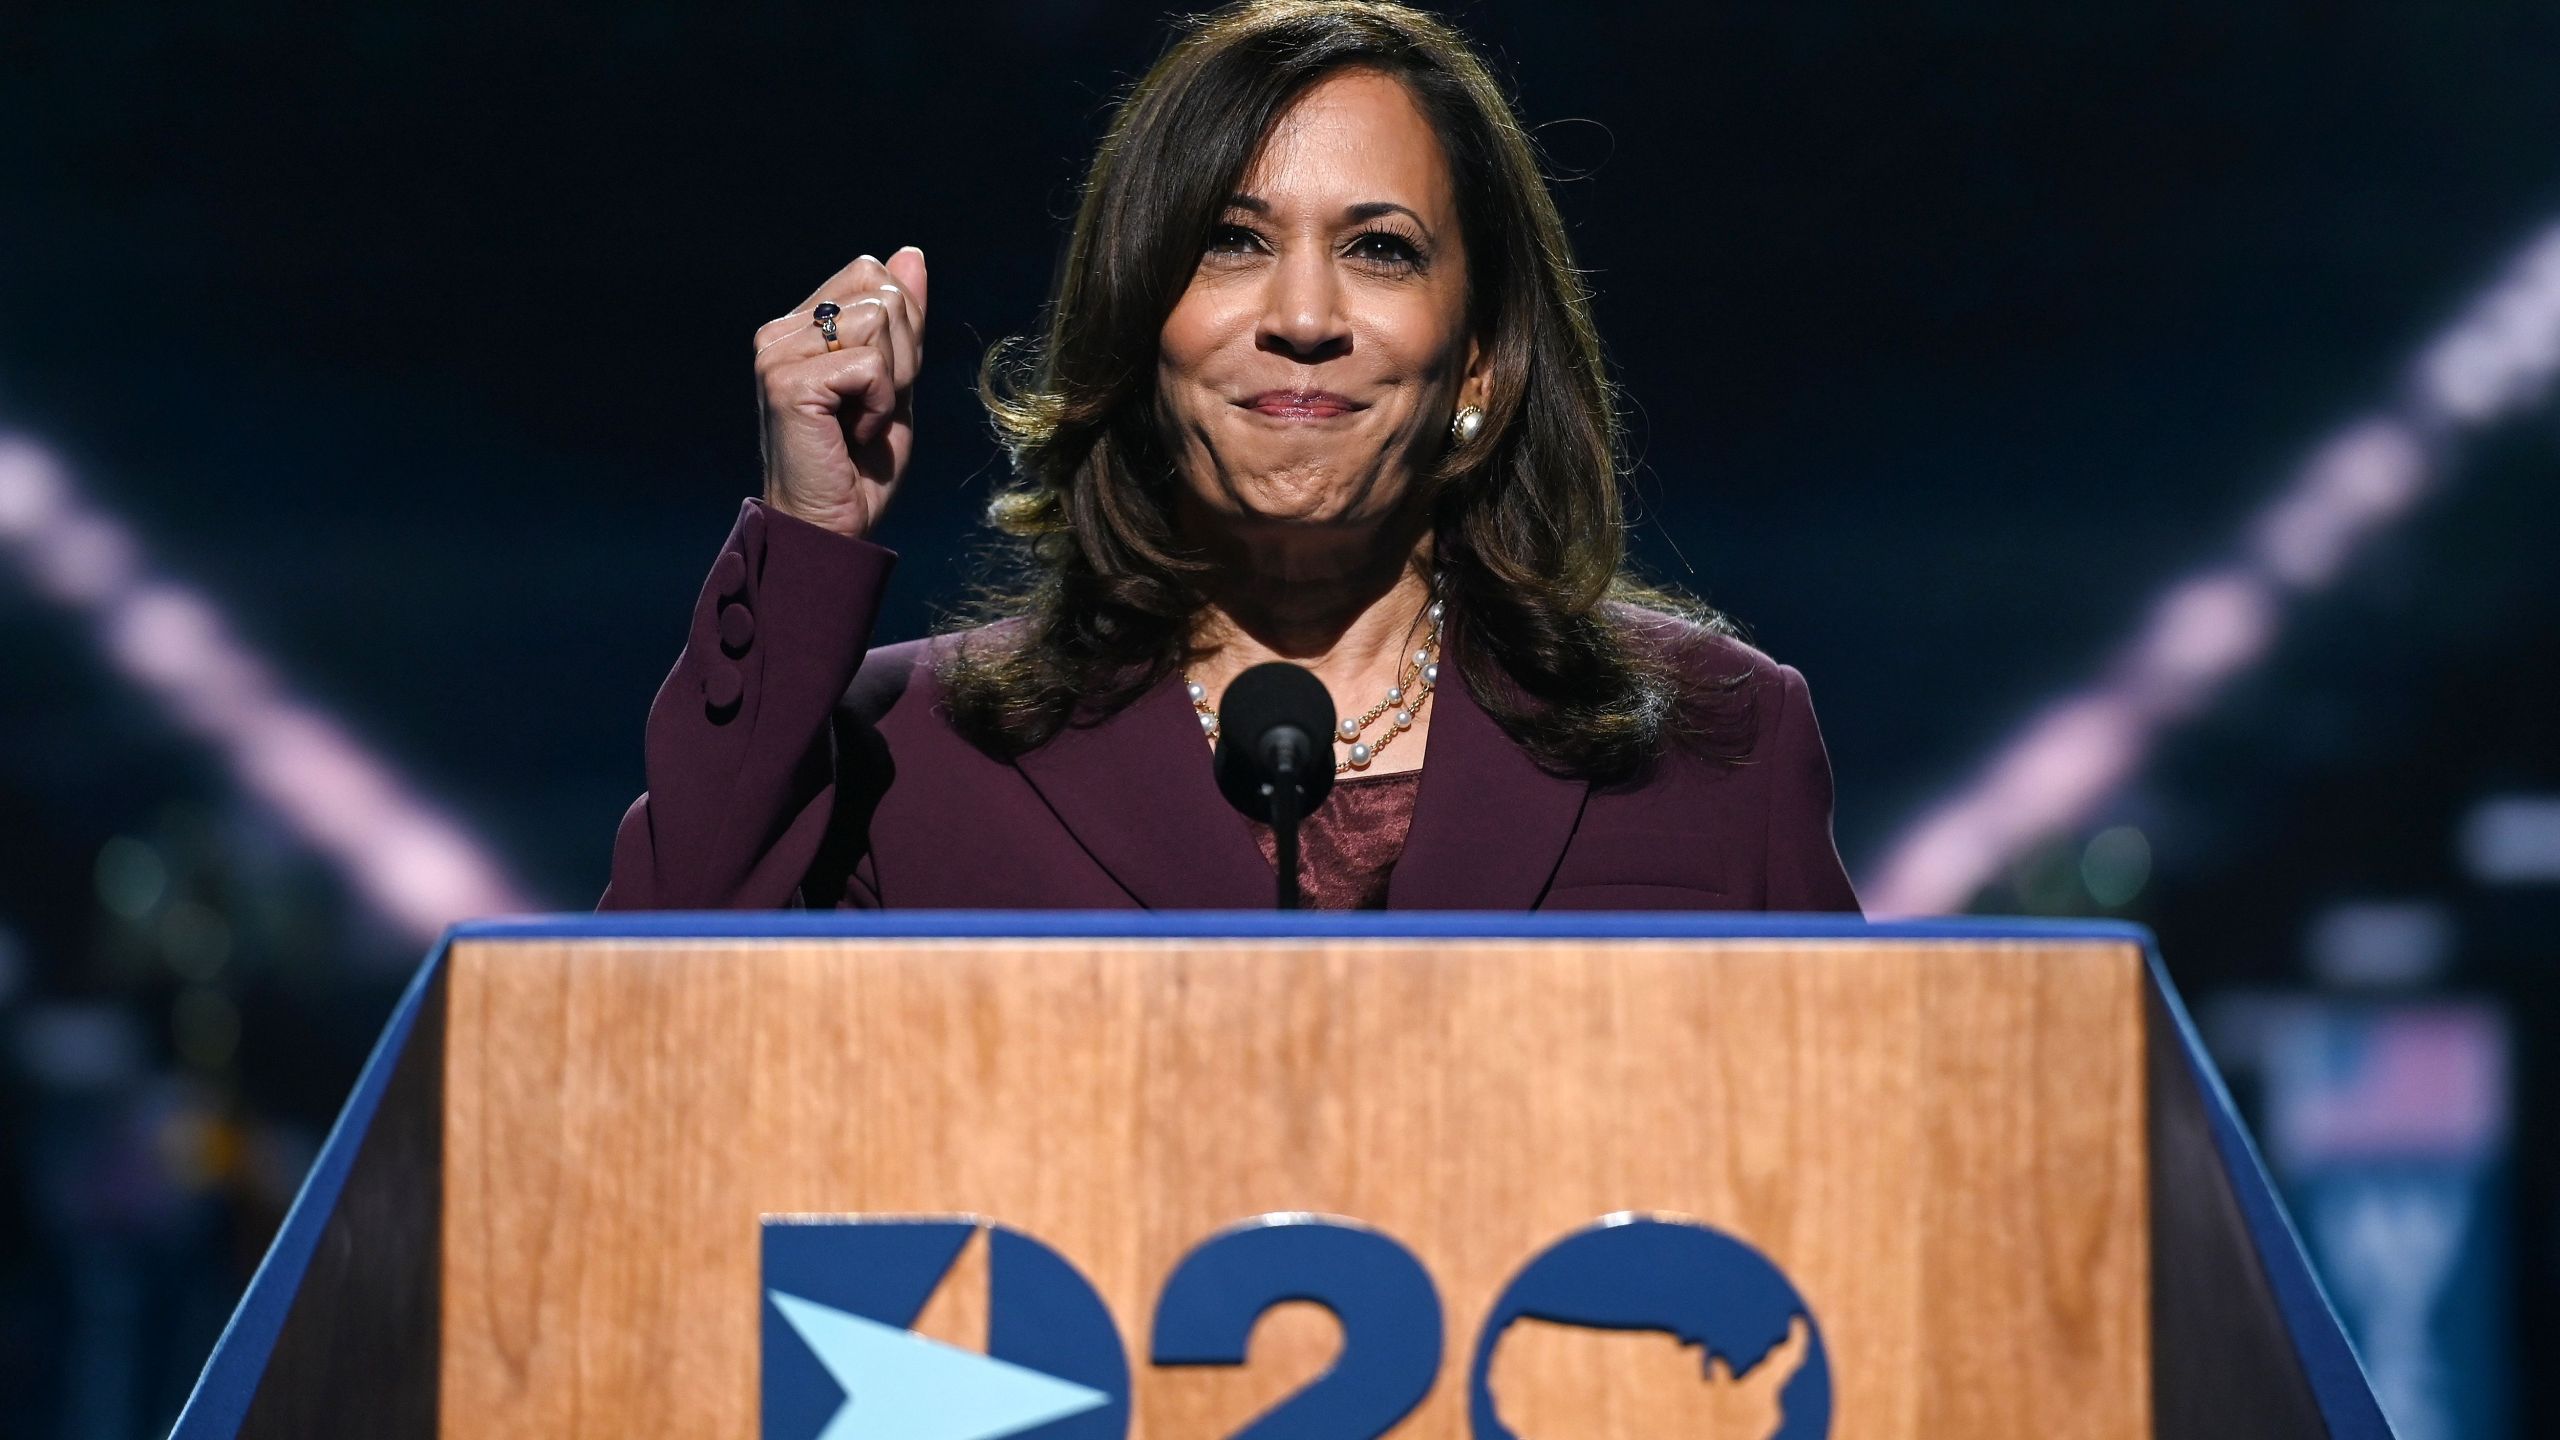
(416, 336)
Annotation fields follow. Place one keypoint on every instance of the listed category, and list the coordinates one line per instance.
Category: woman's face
(1311, 368)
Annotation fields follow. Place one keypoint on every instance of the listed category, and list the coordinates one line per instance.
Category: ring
(825, 318)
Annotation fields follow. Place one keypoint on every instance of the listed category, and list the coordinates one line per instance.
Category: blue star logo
(843, 1296)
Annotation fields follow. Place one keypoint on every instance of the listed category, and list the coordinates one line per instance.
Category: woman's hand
(839, 425)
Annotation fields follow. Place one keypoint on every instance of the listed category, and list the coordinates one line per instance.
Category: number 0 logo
(1702, 1286)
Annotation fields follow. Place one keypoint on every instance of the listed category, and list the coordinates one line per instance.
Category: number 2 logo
(1389, 1309)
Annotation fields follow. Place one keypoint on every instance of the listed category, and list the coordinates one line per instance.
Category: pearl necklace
(1420, 676)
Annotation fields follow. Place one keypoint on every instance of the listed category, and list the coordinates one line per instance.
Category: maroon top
(1348, 848)
(790, 764)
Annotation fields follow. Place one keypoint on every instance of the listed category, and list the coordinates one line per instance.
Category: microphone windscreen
(1260, 703)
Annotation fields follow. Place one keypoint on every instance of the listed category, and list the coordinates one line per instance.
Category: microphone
(1275, 754)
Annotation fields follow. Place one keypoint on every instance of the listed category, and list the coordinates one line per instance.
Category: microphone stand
(1286, 801)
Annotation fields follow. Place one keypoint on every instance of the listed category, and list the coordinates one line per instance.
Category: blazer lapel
(1137, 792)
(1489, 826)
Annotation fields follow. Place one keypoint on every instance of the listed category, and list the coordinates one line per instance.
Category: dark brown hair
(1554, 638)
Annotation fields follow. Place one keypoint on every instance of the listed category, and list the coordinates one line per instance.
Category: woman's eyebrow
(1372, 209)
(1365, 210)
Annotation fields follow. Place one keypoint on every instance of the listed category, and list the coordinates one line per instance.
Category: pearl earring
(1468, 424)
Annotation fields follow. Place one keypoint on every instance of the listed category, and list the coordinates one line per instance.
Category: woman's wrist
(852, 522)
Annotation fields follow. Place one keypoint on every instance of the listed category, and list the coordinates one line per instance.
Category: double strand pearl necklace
(1419, 676)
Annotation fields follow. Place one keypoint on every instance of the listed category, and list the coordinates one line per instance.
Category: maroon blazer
(788, 764)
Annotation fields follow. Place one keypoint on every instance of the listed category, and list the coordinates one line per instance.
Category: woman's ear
(1476, 388)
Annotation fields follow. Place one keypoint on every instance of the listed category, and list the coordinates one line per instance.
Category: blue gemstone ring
(825, 317)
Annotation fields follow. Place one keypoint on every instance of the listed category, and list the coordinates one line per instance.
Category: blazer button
(737, 629)
(728, 574)
(721, 687)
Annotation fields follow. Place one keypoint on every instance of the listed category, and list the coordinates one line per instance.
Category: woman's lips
(1301, 404)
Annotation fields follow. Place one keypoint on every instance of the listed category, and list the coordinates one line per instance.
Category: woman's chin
(1296, 511)
(1303, 494)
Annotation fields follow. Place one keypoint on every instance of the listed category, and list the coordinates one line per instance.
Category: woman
(1319, 384)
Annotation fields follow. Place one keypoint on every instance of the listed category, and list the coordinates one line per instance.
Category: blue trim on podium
(220, 1403)
(1273, 924)
(2329, 1364)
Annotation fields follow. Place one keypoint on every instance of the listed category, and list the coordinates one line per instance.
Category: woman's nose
(1302, 310)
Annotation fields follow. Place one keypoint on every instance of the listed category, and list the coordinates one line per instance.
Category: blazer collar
(1489, 826)
(1136, 791)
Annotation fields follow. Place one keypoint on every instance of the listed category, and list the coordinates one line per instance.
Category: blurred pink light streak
(412, 863)
(2495, 361)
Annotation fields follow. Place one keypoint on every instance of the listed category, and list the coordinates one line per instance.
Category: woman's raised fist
(839, 424)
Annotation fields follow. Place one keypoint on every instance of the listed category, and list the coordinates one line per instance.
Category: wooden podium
(1647, 1175)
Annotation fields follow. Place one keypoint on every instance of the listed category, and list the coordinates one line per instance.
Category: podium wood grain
(1940, 1142)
